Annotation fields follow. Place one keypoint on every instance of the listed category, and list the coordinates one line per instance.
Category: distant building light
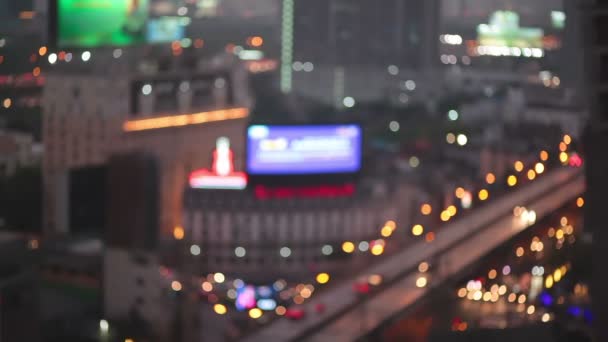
(240, 252)
(462, 139)
(506, 51)
(414, 162)
(27, 15)
(308, 67)
(450, 138)
(86, 56)
(251, 55)
(451, 39)
(117, 53)
(393, 70)
(52, 58)
(219, 83)
(349, 102)
(195, 250)
(453, 115)
(394, 126)
(146, 89)
(285, 252)
(104, 326)
(256, 41)
(185, 119)
(219, 277)
(176, 286)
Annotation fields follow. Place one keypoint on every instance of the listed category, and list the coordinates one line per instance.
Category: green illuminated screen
(94, 23)
(504, 30)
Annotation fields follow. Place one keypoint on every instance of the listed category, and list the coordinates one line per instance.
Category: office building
(90, 117)
(595, 14)
(355, 48)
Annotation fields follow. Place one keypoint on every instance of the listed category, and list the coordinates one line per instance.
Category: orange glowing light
(426, 209)
(580, 202)
(567, 139)
(531, 174)
(490, 178)
(386, 231)
(27, 15)
(185, 119)
(178, 233)
(392, 224)
(256, 41)
(544, 155)
(42, 51)
(563, 147)
(36, 72)
(430, 237)
(459, 192)
(519, 166)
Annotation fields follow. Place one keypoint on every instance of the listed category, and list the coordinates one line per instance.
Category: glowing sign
(298, 150)
(95, 23)
(504, 37)
(222, 174)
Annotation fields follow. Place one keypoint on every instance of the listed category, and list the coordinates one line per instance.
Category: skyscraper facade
(339, 37)
(595, 23)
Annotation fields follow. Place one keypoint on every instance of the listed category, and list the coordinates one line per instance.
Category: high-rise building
(596, 61)
(355, 40)
(118, 149)
(362, 33)
(90, 117)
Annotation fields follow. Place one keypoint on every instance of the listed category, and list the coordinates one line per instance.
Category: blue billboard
(304, 150)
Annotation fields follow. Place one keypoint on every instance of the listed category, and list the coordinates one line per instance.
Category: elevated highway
(348, 316)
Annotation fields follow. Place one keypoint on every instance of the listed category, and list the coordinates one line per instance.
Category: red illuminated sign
(328, 191)
(222, 174)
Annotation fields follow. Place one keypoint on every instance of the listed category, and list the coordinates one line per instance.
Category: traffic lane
(396, 298)
(341, 298)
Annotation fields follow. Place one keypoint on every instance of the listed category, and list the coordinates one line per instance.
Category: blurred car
(295, 314)
(361, 287)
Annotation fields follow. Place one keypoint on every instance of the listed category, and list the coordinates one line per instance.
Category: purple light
(546, 299)
(575, 311)
(588, 314)
(245, 298)
(293, 150)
